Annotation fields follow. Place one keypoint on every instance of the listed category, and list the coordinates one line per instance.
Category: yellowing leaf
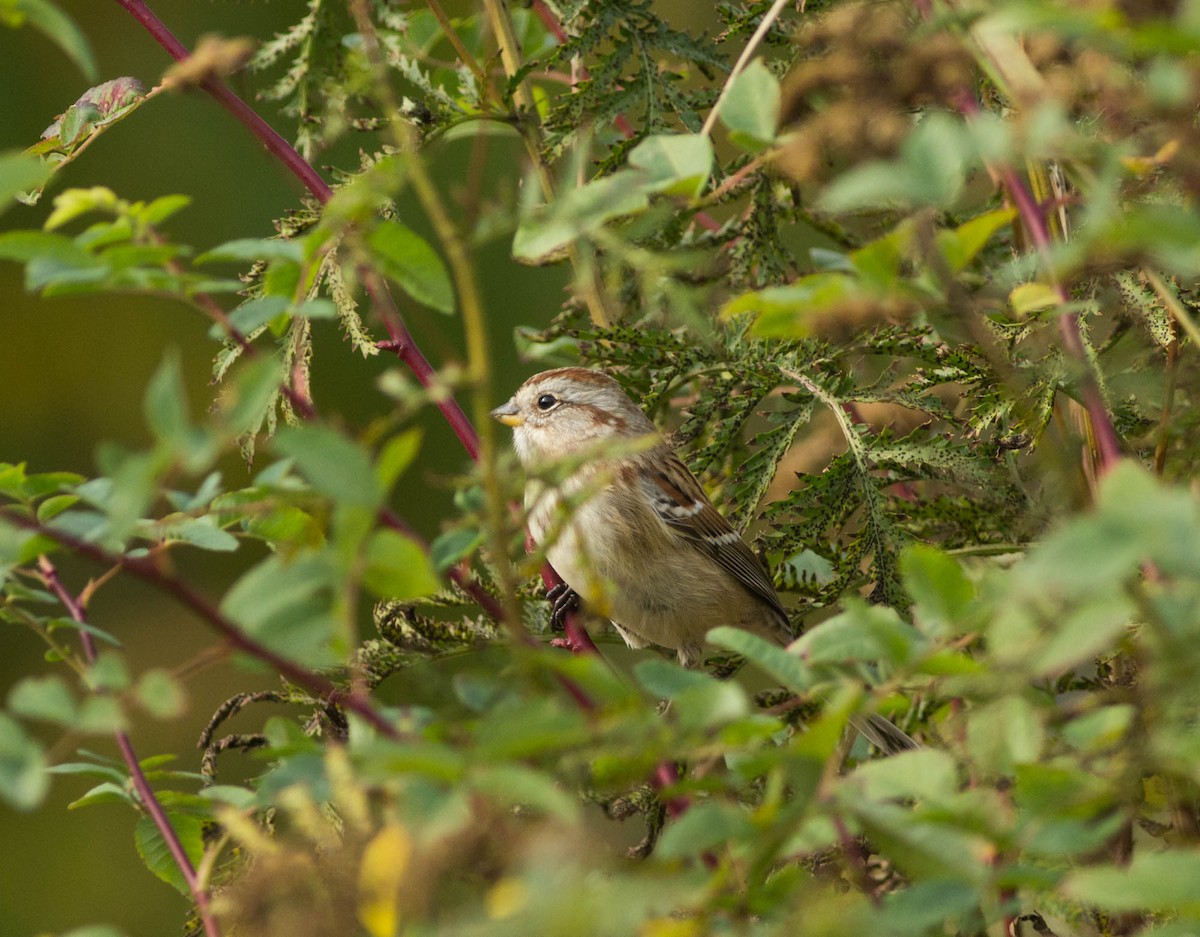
(384, 862)
(1032, 297)
(669, 927)
(506, 898)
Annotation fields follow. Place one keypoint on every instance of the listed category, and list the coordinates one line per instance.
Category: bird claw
(563, 600)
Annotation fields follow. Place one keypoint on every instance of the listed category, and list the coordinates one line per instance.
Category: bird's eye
(546, 401)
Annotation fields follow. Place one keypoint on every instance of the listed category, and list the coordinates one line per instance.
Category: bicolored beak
(508, 414)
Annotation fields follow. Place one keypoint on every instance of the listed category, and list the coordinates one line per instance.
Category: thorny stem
(457, 44)
(148, 570)
(140, 782)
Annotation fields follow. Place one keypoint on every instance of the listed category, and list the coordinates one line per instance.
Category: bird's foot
(563, 600)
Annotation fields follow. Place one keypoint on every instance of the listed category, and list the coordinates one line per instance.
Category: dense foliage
(912, 286)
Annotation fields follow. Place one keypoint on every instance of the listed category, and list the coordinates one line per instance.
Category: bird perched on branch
(631, 531)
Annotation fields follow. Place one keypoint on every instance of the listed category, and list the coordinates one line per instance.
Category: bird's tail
(884, 735)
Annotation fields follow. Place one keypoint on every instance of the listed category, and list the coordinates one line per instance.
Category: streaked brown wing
(682, 504)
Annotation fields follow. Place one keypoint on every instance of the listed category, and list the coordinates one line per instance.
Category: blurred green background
(72, 375)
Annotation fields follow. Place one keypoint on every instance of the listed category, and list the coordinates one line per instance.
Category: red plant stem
(1034, 220)
(406, 349)
(401, 341)
(666, 775)
(146, 569)
(140, 782)
(276, 145)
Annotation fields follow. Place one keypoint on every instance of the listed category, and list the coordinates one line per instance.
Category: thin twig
(764, 27)
(453, 38)
(146, 569)
(140, 782)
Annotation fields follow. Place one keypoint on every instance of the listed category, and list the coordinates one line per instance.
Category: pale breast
(627, 565)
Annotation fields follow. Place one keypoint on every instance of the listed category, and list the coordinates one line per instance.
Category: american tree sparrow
(631, 530)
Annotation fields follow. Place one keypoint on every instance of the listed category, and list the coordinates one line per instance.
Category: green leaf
(107, 793)
(160, 694)
(705, 826)
(783, 665)
(24, 779)
(674, 164)
(95, 930)
(47, 698)
(248, 250)
(335, 465)
(61, 30)
(518, 786)
(162, 208)
(398, 567)
(1005, 733)
(20, 173)
(576, 213)
(253, 390)
(239, 798)
(960, 246)
(939, 588)
(409, 260)
(1156, 881)
(924, 774)
(251, 315)
(751, 107)
(668, 680)
(153, 849)
(166, 404)
(288, 606)
(74, 203)
(861, 633)
(101, 715)
(200, 532)
(397, 454)
(450, 547)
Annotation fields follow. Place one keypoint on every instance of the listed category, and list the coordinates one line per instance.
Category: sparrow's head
(560, 413)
